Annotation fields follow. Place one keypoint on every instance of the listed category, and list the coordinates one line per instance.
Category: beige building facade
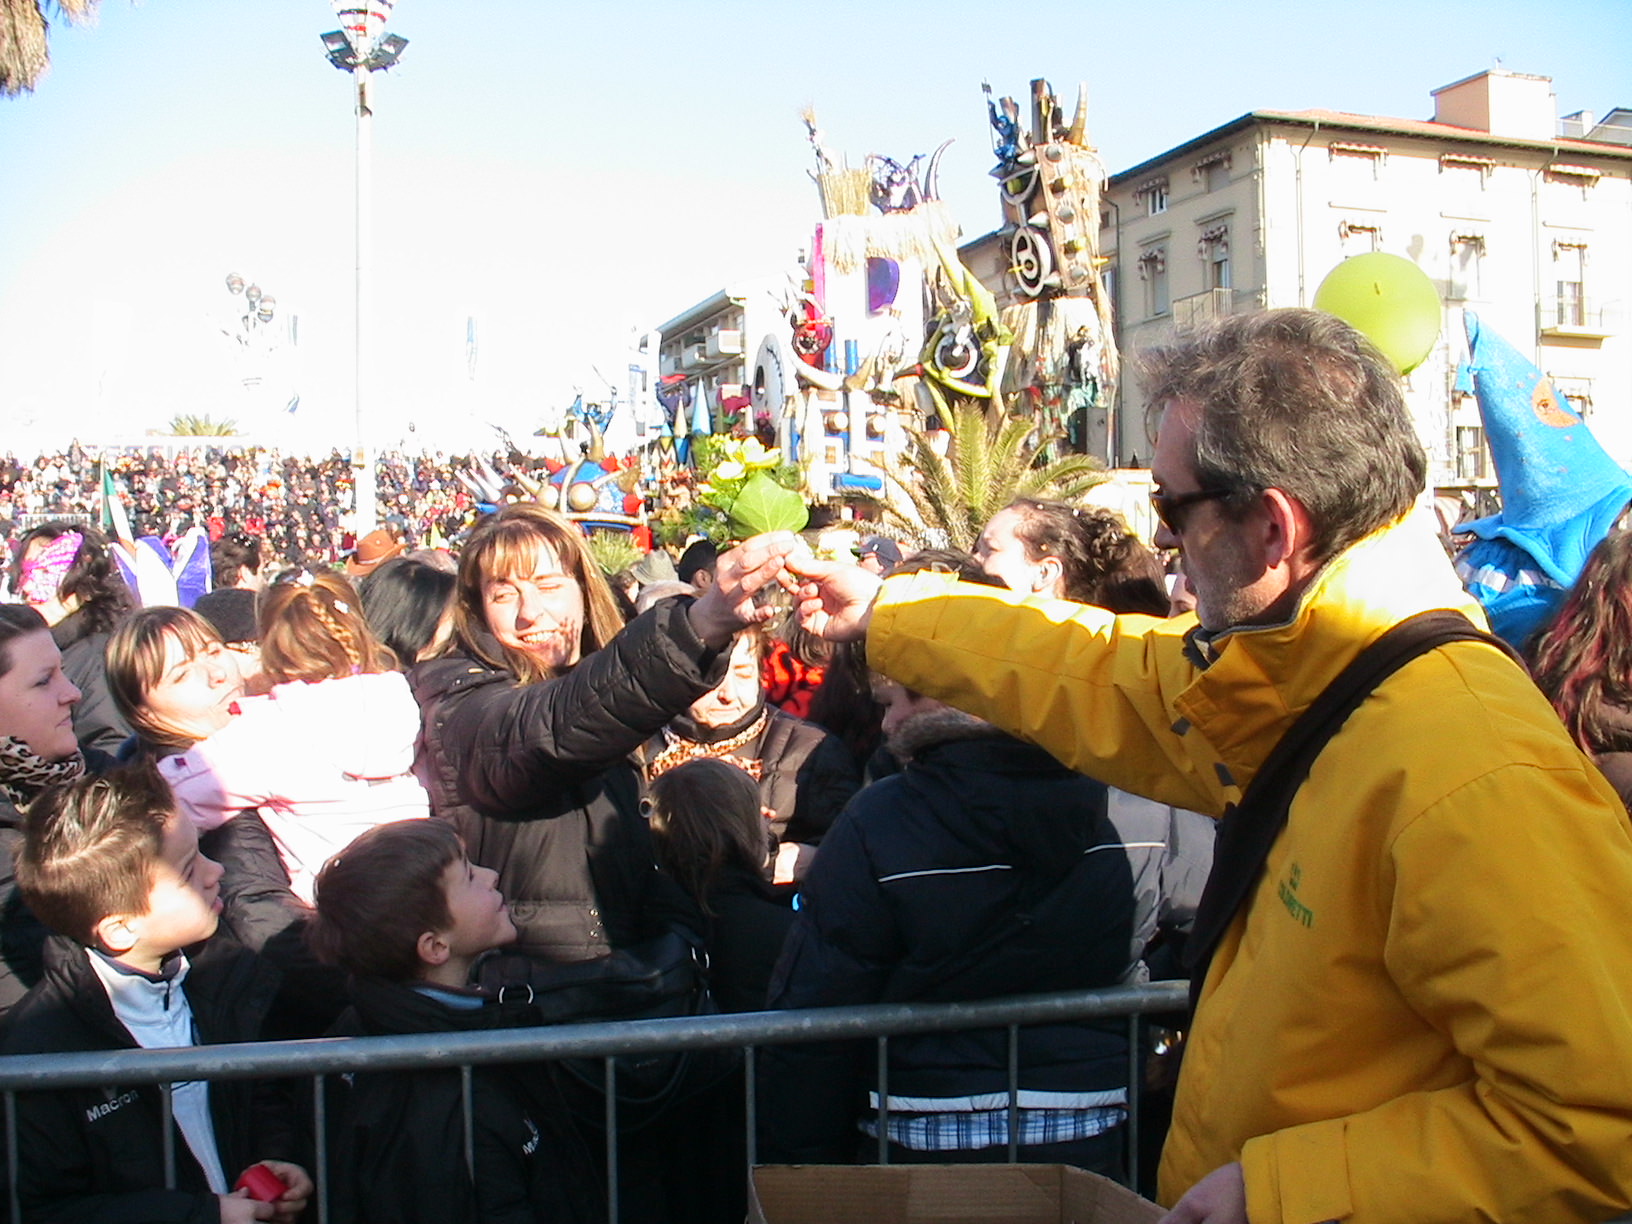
(1529, 229)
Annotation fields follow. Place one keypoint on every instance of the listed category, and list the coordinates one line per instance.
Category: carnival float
(853, 379)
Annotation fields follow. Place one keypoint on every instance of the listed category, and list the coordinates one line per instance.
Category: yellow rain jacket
(1424, 1012)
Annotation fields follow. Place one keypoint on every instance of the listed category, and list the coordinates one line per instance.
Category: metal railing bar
(320, 1142)
(1135, 1087)
(750, 1106)
(883, 1099)
(610, 1088)
(467, 1106)
(11, 1156)
(167, 1123)
(422, 1051)
(1014, 1094)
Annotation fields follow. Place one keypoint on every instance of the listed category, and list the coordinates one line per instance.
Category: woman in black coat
(528, 721)
(527, 724)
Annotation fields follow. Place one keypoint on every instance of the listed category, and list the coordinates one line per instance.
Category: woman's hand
(835, 597)
(739, 575)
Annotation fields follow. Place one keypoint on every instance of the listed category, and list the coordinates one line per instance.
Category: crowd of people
(408, 793)
(291, 502)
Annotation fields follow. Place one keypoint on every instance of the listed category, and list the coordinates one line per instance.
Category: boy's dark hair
(90, 847)
(377, 896)
(706, 816)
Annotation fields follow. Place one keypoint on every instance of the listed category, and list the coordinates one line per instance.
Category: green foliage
(614, 551)
(992, 459)
(764, 505)
(741, 471)
(188, 426)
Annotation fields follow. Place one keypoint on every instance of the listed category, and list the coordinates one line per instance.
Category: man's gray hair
(1300, 401)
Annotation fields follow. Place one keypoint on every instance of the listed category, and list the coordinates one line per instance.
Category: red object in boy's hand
(264, 1186)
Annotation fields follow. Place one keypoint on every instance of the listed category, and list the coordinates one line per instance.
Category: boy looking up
(407, 915)
(109, 865)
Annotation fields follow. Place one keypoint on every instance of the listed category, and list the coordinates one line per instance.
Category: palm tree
(24, 52)
(186, 425)
(991, 459)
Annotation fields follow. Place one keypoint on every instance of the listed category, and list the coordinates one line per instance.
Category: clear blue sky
(563, 175)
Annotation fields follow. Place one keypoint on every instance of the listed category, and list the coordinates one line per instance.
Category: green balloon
(1388, 299)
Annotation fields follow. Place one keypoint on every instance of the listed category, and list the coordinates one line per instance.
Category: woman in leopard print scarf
(37, 745)
(37, 748)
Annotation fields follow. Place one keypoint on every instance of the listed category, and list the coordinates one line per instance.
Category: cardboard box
(942, 1194)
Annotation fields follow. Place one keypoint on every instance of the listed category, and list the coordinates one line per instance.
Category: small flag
(114, 519)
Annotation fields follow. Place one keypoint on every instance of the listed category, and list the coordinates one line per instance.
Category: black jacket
(537, 780)
(398, 1154)
(984, 869)
(97, 721)
(261, 912)
(22, 937)
(744, 935)
(96, 1154)
(806, 774)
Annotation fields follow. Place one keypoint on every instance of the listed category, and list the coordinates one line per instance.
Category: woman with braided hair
(326, 754)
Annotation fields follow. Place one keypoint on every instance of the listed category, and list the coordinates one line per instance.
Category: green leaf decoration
(763, 505)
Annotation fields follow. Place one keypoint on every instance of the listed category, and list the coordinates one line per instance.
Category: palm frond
(991, 459)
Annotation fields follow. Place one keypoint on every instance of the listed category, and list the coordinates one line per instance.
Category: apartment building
(1528, 227)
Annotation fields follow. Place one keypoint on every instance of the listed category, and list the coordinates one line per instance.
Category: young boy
(111, 866)
(407, 915)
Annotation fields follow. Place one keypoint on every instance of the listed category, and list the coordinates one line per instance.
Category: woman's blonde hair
(506, 546)
(135, 663)
(316, 631)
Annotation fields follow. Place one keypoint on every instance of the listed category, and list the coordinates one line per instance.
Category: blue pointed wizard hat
(1561, 492)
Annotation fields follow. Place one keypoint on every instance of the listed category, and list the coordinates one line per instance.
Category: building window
(1213, 171)
(1359, 237)
(1571, 183)
(1569, 279)
(1471, 455)
(1153, 191)
(1575, 393)
(1214, 249)
(1108, 276)
(1467, 267)
(1153, 272)
(1355, 173)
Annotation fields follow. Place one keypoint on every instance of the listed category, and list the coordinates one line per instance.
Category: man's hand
(297, 1190)
(1218, 1198)
(835, 597)
(739, 575)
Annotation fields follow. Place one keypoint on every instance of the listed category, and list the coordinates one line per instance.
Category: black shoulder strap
(1248, 829)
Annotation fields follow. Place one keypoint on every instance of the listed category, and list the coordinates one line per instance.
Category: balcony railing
(1199, 307)
(1573, 316)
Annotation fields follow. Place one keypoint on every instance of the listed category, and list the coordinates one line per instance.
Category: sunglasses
(1170, 508)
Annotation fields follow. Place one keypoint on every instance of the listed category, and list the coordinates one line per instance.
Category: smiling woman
(528, 723)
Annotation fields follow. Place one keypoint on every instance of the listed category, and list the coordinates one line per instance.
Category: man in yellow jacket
(1423, 1012)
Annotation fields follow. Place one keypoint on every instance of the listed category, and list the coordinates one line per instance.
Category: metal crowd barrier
(430, 1051)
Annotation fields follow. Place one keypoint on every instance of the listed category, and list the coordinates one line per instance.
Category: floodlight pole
(366, 499)
(360, 47)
